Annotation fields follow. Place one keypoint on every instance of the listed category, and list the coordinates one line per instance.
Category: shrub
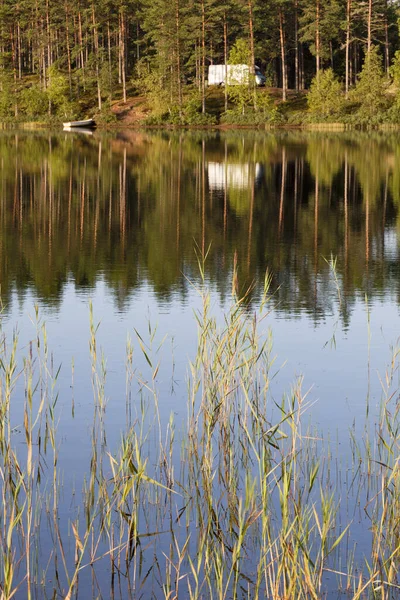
(8, 95)
(191, 111)
(369, 91)
(325, 99)
(235, 116)
(105, 116)
(34, 102)
(243, 113)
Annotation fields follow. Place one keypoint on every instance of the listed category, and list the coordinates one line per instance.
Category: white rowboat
(87, 123)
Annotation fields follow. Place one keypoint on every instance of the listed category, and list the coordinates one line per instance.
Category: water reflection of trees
(131, 209)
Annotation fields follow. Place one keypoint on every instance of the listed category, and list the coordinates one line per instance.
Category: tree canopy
(56, 57)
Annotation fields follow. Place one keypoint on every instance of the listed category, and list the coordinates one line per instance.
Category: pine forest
(323, 60)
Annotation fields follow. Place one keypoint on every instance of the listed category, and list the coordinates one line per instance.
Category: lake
(113, 247)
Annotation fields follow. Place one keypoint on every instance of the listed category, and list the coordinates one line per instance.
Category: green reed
(238, 501)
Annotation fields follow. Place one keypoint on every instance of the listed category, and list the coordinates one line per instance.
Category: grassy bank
(240, 500)
(271, 113)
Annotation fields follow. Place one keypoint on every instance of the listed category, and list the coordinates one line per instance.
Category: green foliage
(243, 112)
(34, 102)
(395, 73)
(190, 114)
(150, 82)
(58, 93)
(108, 79)
(240, 53)
(250, 117)
(241, 96)
(105, 116)
(6, 95)
(325, 98)
(191, 111)
(169, 45)
(395, 69)
(369, 92)
(331, 16)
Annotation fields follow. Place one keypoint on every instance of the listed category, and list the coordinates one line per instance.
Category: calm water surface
(121, 220)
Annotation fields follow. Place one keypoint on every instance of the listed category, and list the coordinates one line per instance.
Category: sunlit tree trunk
(369, 26)
(67, 44)
(296, 47)
(386, 25)
(252, 52)
(317, 35)
(122, 49)
(283, 53)
(97, 58)
(81, 53)
(19, 50)
(226, 62)
(110, 82)
(348, 33)
(178, 56)
(203, 58)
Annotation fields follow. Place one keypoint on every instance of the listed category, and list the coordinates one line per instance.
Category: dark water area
(136, 223)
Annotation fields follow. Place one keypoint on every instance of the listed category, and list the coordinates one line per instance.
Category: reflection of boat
(233, 175)
(88, 123)
(83, 130)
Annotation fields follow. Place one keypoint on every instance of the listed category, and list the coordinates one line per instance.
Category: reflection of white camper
(231, 175)
(233, 75)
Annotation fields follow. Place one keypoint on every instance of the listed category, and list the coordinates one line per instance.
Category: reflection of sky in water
(333, 362)
(335, 378)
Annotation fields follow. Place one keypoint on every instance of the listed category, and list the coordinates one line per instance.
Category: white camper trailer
(233, 75)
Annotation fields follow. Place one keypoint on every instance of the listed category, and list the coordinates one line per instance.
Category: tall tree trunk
(19, 50)
(109, 60)
(178, 56)
(198, 65)
(96, 52)
(317, 35)
(283, 54)
(203, 58)
(68, 48)
(386, 25)
(122, 47)
(348, 34)
(296, 46)
(14, 67)
(301, 65)
(369, 26)
(252, 53)
(49, 45)
(81, 54)
(226, 62)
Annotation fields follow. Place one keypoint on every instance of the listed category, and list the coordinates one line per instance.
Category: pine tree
(325, 96)
(369, 91)
(321, 27)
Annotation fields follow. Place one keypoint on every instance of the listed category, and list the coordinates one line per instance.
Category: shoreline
(328, 127)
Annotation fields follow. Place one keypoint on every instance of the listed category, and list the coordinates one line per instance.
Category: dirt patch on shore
(131, 113)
